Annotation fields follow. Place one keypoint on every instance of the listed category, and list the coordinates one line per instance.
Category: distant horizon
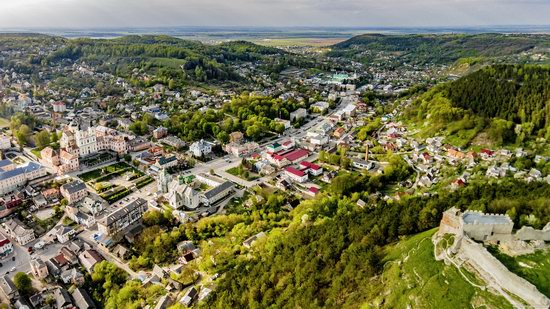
(251, 32)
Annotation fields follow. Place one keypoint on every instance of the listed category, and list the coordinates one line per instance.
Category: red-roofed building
(277, 160)
(313, 191)
(486, 153)
(297, 155)
(311, 168)
(6, 247)
(296, 175)
(288, 145)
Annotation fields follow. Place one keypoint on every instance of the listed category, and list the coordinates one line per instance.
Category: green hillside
(433, 48)
(188, 59)
(493, 100)
(413, 277)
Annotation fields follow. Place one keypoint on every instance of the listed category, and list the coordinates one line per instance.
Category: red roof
(294, 171)
(487, 151)
(310, 165)
(287, 143)
(277, 157)
(296, 154)
(4, 242)
(313, 189)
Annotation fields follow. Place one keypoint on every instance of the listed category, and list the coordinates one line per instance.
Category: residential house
(62, 299)
(64, 233)
(39, 268)
(189, 297)
(9, 288)
(160, 132)
(6, 247)
(19, 231)
(72, 276)
(91, 206)
(362, 164)
(74, 191)
(82, 299)
(251, 240)
(89, 258)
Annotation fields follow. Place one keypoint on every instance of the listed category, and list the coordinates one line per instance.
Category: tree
(22, 135)
(42, 139)
(23, 283)
(138, 128)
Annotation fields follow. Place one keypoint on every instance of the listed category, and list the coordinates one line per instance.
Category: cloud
(361, 13)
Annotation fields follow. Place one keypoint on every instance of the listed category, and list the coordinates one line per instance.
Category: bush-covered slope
(495, 98)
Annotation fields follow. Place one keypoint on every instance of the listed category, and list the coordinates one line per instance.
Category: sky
(278, 13)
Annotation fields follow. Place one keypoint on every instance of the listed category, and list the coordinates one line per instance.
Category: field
(534, 268)
(412, 277)
(303, 42)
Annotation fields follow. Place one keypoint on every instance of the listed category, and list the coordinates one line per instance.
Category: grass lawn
(534, 268)
(412, 277)
(36, 152)
(235, 172)
(104, 172)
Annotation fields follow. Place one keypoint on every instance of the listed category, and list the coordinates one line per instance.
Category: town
(93, 164)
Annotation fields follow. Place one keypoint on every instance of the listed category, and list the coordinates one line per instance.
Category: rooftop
(481, 218)
(74, 186)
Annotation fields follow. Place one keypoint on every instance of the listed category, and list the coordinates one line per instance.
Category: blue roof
(5, 162)
(32, 166)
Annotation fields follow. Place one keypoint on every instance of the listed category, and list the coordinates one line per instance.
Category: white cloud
(109, 13)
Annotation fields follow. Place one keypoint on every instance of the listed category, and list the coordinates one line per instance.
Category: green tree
(23, 283)
(22, 135)
(42, 139)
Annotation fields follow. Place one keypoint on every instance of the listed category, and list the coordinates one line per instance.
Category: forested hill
(494, 99)
(516, 93)
(199, 61)
(439, 48)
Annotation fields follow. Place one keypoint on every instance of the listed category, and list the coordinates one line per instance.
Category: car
(13, 258)
(12, 269)
(29, 249)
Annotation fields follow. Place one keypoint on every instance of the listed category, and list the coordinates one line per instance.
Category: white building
(296, 175)
(182, 195)
(298, 114)
(5, 142)
(320, 107)
(59, 107)
(201, 148)
(19, 231)
(13, 178)
(86, 142)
